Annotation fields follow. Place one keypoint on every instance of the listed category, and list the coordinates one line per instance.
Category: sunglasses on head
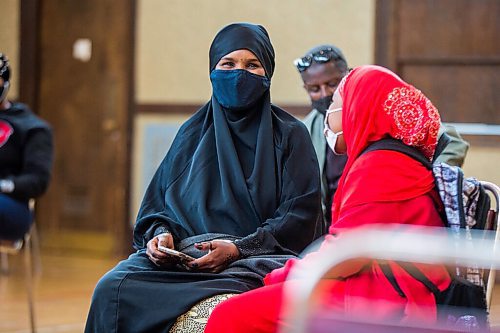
(321, 57)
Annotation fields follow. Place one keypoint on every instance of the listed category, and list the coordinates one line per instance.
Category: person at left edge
(241, 179)
(26, 154)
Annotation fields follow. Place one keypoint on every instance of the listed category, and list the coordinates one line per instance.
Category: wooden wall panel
(449, 49)
(465, 94)
(448, 28)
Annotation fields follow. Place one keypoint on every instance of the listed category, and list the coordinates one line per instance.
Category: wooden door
(88, 102)
(449, 49)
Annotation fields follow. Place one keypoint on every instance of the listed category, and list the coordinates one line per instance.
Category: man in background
(321, 69)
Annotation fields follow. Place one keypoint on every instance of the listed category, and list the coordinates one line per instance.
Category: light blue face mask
(238, 89)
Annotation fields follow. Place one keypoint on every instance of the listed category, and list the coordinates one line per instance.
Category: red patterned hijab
(378, 104)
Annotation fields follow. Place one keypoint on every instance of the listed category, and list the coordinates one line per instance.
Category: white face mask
(331, 136)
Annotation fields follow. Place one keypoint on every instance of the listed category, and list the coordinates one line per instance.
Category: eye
(333, 84)
(227, 64)
(253, 65)
(313, 89)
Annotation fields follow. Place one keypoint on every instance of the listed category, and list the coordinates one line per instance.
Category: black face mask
(238, 89)
(322, 104)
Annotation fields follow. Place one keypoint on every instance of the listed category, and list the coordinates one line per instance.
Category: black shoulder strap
(414, 273)
(390, 276)
(397, 145)
(419, 276)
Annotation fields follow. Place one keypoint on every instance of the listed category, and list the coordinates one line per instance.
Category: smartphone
(181, 256)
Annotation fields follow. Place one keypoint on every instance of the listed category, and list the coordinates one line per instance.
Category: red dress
(365, 291)
(378, 187)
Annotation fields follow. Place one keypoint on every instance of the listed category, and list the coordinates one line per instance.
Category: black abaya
(269, 206)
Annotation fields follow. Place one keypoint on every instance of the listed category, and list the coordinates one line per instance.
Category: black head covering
(4, 67)
(244, 124)
(5, 75)
(224, 172)
(247, 36)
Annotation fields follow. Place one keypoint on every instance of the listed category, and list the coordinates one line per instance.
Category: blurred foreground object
(414, 245)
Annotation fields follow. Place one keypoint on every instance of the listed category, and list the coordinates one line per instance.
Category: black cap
(4, 67)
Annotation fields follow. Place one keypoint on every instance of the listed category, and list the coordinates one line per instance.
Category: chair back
(492, 224)
(404, 245)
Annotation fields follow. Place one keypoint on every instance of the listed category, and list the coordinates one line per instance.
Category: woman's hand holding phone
(158, 257)
(182, 257)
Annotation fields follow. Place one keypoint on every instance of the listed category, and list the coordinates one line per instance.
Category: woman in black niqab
(241, 179)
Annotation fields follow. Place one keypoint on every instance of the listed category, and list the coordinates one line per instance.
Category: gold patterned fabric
(196, 318)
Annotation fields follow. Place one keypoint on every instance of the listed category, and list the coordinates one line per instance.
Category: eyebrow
(233, 59)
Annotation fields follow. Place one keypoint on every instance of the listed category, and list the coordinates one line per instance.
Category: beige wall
(173, 38)
(482, 163)
(172, 44)
(9, 39)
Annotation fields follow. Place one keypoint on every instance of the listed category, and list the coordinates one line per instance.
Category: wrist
(161, 230)
(6, 186)
(237, 251)
(248, 246)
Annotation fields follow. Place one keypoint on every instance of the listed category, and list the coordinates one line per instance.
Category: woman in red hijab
(377, 187)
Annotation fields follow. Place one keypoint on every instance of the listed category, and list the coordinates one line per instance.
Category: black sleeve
(297, 220)
(152, 218)
(34, 177)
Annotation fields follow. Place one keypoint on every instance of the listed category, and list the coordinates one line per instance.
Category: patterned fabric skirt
(196, 318)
